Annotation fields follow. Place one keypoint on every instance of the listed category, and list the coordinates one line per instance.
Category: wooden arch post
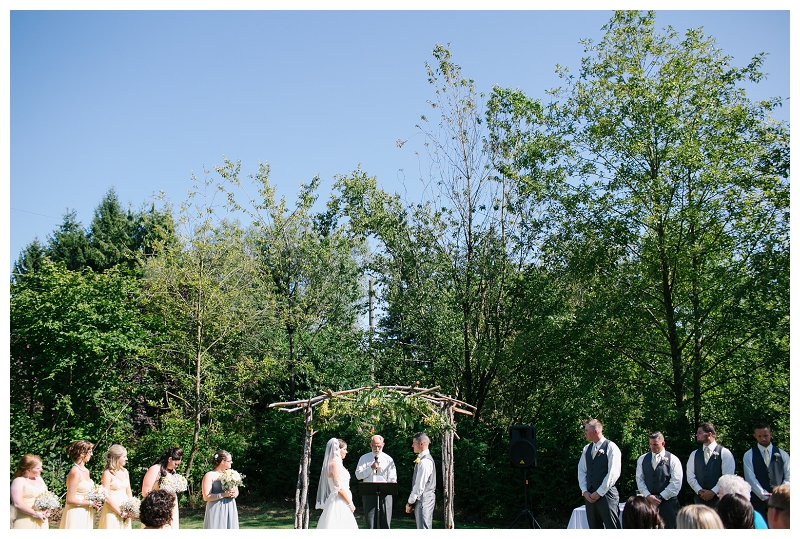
(448, 407)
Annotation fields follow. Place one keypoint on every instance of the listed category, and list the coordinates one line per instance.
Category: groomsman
(423, 491)
(598, 470)
(707, 465)
(765, 467)
(659, 476)
(377, 467)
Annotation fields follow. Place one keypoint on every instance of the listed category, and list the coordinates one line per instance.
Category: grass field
(273, 517)
(280, 516)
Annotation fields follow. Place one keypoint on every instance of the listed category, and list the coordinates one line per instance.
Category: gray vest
(597, 467)
(707, 475)
(768, 477)
(656, 480)
(430, 486)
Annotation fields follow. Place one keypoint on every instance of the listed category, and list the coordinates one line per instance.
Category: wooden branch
(290, 410)
(460, 411)
(276, 404)
(424, 391)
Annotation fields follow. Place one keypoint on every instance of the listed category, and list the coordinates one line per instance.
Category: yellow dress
(175, 523)
(78, 516)
(109, 520)
(27, 522)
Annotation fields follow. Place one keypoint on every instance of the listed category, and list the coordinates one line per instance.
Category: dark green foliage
(75, 337)
(30, 260)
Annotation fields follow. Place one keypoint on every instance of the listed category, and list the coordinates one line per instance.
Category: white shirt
(614, 467)
(387, 473)
(424, 471)
(728, 467)
(675, 476)
(750, 475)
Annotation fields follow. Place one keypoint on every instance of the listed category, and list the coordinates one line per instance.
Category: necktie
(766, 457)
(594, 451)
(707, 453)
(656, 460)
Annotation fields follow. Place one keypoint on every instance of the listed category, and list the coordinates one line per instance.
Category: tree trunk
(447, 470)
(301, 509)
(197, 379)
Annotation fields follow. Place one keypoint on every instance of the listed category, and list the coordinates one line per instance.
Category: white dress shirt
(614, 467)
(675, 476)
(750, 475)
(387, 472)
(424, 471)
(728, 467)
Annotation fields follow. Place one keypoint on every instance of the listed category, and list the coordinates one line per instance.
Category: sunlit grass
(272, 517)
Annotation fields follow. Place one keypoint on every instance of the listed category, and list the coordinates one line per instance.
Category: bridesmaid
(78, 512)
(221, 512)
(118, 484)
(27, 484)
(166, 463)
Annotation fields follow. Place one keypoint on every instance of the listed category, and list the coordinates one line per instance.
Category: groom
(423, 491)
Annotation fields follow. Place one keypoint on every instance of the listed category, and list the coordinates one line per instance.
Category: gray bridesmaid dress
(221, 514)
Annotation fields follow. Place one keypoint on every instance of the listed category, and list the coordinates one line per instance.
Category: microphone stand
(377, 524)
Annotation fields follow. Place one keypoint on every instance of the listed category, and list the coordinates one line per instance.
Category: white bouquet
(98, 493)
(173, 483)
(230, 478)
(46, 501)
(130, 507)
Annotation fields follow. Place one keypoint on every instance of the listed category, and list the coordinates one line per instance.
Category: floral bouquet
(173, 483)
(98, 493)
(46, 501)
(230, 478)
(130, 507)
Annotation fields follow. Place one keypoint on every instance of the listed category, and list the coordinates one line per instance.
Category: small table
(578, 520)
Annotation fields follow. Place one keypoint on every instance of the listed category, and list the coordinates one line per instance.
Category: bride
(333, 491)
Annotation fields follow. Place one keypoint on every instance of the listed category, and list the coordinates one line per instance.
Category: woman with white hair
(733, 484)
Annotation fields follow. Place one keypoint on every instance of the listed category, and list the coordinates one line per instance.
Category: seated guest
(698, 517)
(155, 512)
(641, 514)
(735, 512)
(778, 508)
(733, 484)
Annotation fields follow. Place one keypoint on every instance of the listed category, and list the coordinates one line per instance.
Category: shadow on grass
(274, 517)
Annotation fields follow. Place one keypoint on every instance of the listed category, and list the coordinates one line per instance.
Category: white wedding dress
(335, 513)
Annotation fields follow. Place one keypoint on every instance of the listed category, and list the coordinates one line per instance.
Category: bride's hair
(332, 453)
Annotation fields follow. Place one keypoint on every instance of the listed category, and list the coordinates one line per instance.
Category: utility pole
(371, 329)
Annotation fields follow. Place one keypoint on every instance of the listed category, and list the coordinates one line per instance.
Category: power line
(39, 214)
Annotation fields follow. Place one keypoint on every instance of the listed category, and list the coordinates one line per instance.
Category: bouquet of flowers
(130, 507)
(173, 483)
(46, 501)
(97, 494)
(230, 478)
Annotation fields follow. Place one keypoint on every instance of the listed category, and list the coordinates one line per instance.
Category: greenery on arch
(363, 414)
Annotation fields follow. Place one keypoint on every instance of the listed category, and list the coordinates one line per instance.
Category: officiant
(377, 467)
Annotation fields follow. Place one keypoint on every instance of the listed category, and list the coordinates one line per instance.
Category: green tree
(202, 305)
(75, 338)
(310, 269)
(30, 260)
(69, 243)
(671, 216)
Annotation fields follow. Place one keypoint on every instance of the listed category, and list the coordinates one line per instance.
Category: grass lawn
(271, 516)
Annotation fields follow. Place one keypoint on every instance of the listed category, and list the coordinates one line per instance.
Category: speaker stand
(529, 518)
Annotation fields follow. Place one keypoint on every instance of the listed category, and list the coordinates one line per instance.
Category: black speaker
(522, 446)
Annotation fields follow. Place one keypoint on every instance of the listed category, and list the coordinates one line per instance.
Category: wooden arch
(446, 405)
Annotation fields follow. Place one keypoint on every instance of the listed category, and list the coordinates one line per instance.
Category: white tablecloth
(578, 519)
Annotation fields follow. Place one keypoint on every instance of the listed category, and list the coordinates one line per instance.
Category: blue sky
(140, 100)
